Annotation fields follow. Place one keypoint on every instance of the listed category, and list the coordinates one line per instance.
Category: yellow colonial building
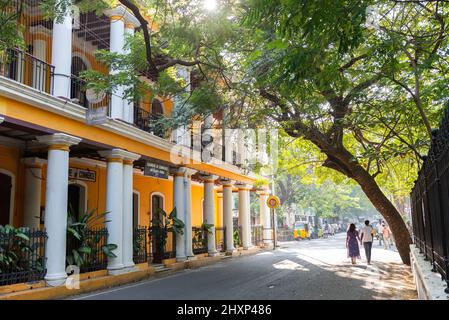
(61, 149)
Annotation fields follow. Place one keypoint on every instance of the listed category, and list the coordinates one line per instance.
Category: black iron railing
(23, 67)
(430, 203)
(162, 244)
(78, 89)
(199, 240)
(220, 239)
(95, 238)
(148, 122)
(201, 143)
(140, 245)
(22, 255)
(257, 235)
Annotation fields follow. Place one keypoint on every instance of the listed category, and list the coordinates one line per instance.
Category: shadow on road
(311, 270)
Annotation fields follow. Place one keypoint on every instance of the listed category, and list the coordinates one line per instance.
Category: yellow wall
(147, 186)
(197, 211)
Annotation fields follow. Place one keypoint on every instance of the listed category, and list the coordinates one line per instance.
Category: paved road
(316, 269)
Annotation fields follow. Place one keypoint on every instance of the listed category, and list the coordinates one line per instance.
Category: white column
(207, 135)
(179, 204)
(56, 204)
(120, 17)
(114, 206)
(265, 217)
(128, 228)
(62, 54)
(209, 207)
(128, 111)
(32, 193)
(244, 215)
(116, 45)
(188, 212)
(227, 141)
(227, 215)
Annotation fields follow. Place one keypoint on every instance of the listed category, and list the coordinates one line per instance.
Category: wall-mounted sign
(273, 202)
(156, 170)
(82, 174)
(97, 115)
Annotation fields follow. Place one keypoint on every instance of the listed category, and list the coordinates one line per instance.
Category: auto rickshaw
(301, 230)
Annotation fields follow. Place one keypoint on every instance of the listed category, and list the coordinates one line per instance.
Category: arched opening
(157, 112)
(135, 209)
(6, 198)
(158, 246)
(157, 109)
(157, 202)
(77, 93)
(76, 200)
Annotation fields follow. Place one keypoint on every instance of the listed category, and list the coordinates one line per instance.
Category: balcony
(33, 72)
(147, 121)
(27, 69)
(201, 143)
(79, 96)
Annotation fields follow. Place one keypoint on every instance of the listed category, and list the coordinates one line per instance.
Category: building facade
(54, 160)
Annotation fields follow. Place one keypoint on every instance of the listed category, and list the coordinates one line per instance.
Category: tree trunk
(380, 202)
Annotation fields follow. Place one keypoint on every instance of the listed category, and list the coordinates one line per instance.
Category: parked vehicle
(301, 230)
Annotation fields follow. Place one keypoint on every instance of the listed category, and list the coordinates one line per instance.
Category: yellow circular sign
(273, 202)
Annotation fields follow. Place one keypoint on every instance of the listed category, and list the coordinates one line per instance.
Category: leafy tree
(360, 82)
(326, 76)
(9, 12)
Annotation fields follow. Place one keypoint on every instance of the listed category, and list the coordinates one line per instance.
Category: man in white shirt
(366, 238)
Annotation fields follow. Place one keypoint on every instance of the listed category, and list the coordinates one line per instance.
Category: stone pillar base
(131, 268)
(56, 280)
(181, 259)
(116, 269)
(192, 258)
(212, 254)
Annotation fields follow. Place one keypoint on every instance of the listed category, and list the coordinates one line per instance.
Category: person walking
(379, 232)
(352, 243)
(366, 239)
(386, 233)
